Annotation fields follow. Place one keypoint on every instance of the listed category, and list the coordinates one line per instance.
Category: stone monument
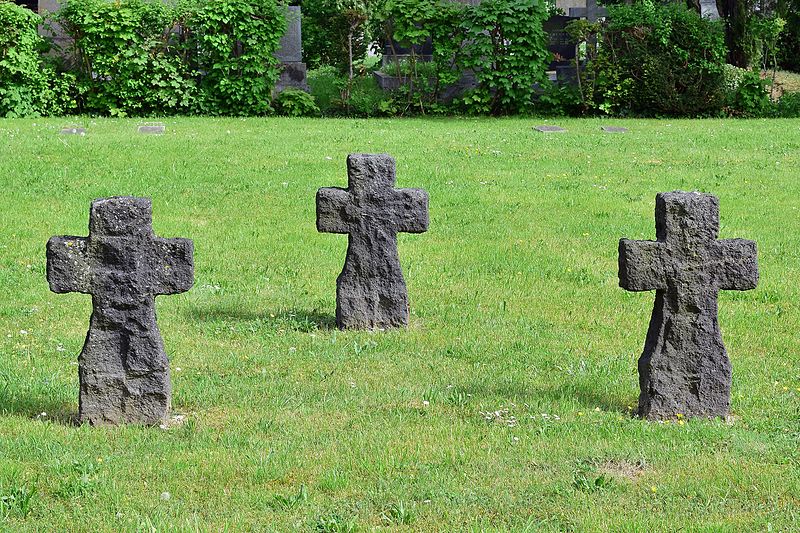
(684, 369)
(290, 54)
(371, 291)
(123, 370)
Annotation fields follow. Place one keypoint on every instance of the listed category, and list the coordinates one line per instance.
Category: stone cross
(684, 368)
(371, 291)
(123, 369)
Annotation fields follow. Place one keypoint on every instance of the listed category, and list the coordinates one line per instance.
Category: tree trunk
(735, 13)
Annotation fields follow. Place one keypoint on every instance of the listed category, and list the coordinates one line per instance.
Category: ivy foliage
(235, 43)
(140, 57)
(29, 85)
(501, 43)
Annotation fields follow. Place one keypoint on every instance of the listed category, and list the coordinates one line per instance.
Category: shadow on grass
(588, 396)
(295, 319)
(38, 408)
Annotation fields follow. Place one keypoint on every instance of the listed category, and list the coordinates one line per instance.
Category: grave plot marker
(371, 291)
(684, 368)
(123, 369)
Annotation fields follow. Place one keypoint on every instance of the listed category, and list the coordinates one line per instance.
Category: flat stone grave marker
(371, 291)
(684, 368)
(614, 129)
(123, 369)
(550, 129)
(153, 128)
(73, 130)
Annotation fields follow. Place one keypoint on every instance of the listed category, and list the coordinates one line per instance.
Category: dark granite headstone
(123, 370)
(559, 42)
(592, 12)
(371, 291)
(153, 128)
(684, 368)
(550, 129)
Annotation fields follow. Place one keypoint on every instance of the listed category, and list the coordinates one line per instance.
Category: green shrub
(296, 103)
(126, 57)
(236, 41)
(661, 60)
(140, 57)
(506, 47)
(325, 85)
(751, 98)
(788, 106)
(28, 85)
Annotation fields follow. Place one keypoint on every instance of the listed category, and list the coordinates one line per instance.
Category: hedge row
(135, 57)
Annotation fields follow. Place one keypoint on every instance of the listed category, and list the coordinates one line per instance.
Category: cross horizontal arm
(173, 267)
(738, 266)
(68, 265)
(640, 265)
(332, 203)
(411, 208)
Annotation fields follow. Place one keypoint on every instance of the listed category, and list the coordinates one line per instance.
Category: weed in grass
(335, 523)
(17, 500)
(397, 514)
(288, 503)
(586, 479)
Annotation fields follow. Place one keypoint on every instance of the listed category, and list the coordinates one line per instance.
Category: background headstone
(684, 368)
(550, 129)
(73, 130)
(123, 369)
(290, 53)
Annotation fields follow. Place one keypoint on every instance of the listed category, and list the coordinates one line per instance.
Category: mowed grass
(506, 405)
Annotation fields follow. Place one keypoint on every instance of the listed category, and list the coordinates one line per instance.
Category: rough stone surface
(684, 368)
(153, 129)
(371, 291)
(550, 129)
(614, 129)
(123, 369)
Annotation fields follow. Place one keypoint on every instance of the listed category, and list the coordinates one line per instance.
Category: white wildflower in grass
(426, 403)
(23, 332)
(165, 496)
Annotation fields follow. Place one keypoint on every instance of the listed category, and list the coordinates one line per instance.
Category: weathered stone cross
(371, 291)
(684, 368)
(123, 369)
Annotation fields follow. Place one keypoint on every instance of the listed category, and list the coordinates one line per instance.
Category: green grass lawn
(504, 406)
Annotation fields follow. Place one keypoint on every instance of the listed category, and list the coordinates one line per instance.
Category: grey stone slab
(550, 129)
(155, 128)
(614, 129)
(290, 49)
(371, 291)
(123, 369)
(684, 368)
(73, 130)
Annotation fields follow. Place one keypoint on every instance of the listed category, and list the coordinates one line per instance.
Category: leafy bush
(788, 106)
(325, 35)
(506, 48)
(660, 60)
(751, 98)
(126, 58)
(296, 103)
(28, 85)
(137, 57)
(324, 84)
(236, 41)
